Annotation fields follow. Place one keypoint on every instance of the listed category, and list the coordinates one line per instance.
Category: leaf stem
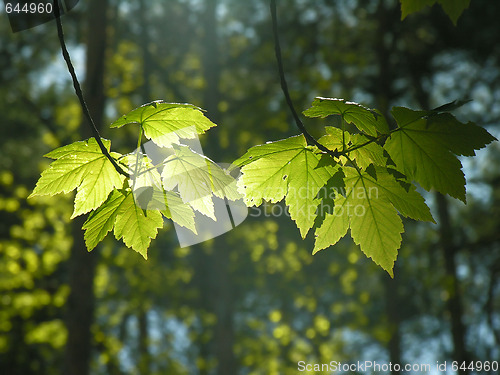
(373, 139)
(284, 86)
(343, 133)
(137, 151)
(78, 91)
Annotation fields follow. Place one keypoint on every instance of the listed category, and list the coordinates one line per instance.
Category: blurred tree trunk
(146, 56)
(393, 304)
(144, 355)
(454, 302)
(80, 305)
(419, 64)
(388, 16)
(221, 296)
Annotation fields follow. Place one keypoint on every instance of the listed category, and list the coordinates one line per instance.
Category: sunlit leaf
(287, 167)
(367, 120)
(367, 153)
(336, 140)
(82, 166)
(135, 226)
(374, 222)
(150, 195)
(102, 220)
(197, 178)
(165, 123)
(423, 148)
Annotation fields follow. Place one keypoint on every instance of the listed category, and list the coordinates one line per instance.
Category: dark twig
(78, 90)
(284, 87)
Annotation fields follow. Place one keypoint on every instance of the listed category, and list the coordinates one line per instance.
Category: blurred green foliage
(257, 289)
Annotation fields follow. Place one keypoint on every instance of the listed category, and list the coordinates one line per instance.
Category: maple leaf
(197, 178)
(290, 168)
(135, 226)
(370, 214)
(424, 145)
(366, 120)
(82, 166)
(150, 195)
(165, 123)
(102, 220)
(130, 222)
(453, 8)
(368, 153)
(335, 138)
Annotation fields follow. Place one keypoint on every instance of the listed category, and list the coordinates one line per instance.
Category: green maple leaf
(335, 138)
(197, 178)
(130, 222)
(453, 8)
(459, 138)
(82, 166)
(175, 209)
(150, 194)
(102, 220)
(370, 213)
(424, 145)
(366, 120)
(407, 201)
(165, 123)
(135, 226)
(369, 153)
(288, 168)
(413, 6)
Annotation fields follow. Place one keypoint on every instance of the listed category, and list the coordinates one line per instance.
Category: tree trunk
(393, 304)
(454, 302)
(388, 16)
(144, 355)
(146, 56)
(221, 294)
(223, 308)
(81, 264)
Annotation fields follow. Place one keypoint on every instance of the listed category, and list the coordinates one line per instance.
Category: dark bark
(223, 308)
(454, 302)
(220, 293)
(80, 305)
(211, 66)
(146, 56)
(387, 16)
(393, 305)
(144, 355)
(81, 264)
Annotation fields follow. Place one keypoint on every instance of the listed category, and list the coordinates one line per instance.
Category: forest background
(252, 301)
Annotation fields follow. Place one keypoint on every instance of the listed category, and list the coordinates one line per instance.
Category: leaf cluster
(374, 180)
(365, 190)
(182, 182)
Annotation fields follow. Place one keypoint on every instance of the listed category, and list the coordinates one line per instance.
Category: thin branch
(78, 90)
(284, 87)
(371, 140)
